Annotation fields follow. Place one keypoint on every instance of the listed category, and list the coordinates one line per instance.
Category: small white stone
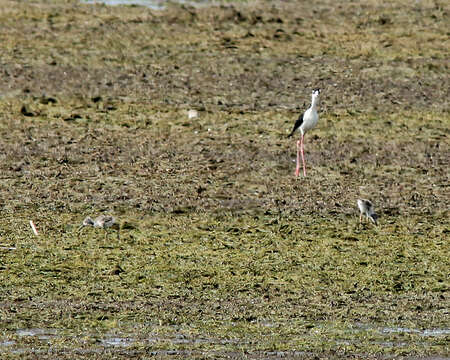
(192, 114)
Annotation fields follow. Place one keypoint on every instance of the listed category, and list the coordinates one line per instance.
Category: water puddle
(425, 332)
(118, 340)
(152, 4)
(114, 340)
(41, 334)
(7, 343)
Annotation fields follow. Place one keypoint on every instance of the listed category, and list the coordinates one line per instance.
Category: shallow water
(152, 4)
(426, 332)
(41, 334)
(118, 340)
(6, 343)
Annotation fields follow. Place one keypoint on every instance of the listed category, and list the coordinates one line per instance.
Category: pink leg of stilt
(303, 158)
(297, 169)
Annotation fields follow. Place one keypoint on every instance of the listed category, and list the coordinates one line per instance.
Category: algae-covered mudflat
(223, 253)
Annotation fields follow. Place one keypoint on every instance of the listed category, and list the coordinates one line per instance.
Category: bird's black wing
(297, 124)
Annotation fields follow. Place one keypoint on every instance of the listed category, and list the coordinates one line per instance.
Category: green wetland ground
(223, 253)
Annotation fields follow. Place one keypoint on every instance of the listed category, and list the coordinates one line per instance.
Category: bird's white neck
(314, 101)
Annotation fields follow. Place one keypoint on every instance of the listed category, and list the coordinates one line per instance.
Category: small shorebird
(366, 208)
(102, 221)
(305, 122)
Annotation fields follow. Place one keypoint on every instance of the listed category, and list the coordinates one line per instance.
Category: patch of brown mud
(246, 57)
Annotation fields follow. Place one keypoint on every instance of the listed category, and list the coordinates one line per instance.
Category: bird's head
(374, 218)
(316, 92)
(88, 222)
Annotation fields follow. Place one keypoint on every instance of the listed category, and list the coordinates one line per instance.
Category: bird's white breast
(365, 207)
(310, 119)
(361, 206)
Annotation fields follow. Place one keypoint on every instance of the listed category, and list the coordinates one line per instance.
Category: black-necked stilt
(305, 122)
(366, 208)
(102, 221)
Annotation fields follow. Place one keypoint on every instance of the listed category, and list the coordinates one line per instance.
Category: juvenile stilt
(102, 221)
(366, 208)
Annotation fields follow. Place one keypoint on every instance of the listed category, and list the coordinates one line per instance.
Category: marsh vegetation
(223, 253)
